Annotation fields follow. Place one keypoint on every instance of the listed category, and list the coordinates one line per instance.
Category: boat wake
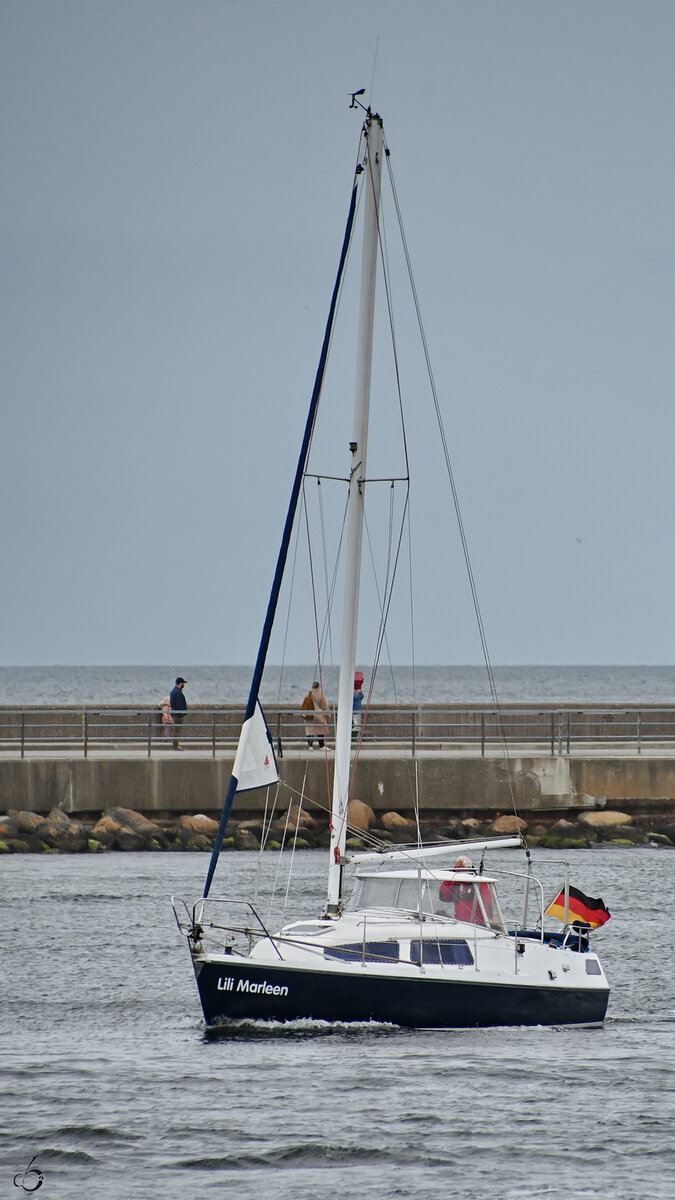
(305, 1027)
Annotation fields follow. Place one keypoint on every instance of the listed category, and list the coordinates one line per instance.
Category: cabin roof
(435, 875)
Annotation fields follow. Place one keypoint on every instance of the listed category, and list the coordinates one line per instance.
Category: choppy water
(230, 685)
(107, 1076)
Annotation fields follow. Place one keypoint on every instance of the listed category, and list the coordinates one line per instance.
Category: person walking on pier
(313, 709)
(178, 709)
(357, 704)
(167, 720)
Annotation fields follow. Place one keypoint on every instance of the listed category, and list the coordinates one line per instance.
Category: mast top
(370, 115)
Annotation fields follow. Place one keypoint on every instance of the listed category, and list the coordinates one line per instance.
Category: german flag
(580, 908)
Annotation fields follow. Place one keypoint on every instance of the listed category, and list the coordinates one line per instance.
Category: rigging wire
(312, 580)
(455, 494)
(287, 622)
(382, 642)
(327, 630)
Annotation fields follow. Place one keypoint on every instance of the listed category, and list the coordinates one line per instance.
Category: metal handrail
(556, 731)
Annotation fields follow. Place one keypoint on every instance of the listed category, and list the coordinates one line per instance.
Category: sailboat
(419, 939)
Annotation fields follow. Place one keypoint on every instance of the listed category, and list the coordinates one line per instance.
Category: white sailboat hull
(333, 974)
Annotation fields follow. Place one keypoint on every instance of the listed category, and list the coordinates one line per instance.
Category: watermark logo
(31, 1179)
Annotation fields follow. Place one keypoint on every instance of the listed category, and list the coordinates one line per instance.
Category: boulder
(381, 835)
(36, 845)
(128, 839)
(564, 828)
(297, 817)
(186, 837)
(129, 819)
(254, 824)
(404, 836)
(8, 827)
(27, 822)
(538, 831)
(245, 840)
(393, 821)
(105, 831)
(58, 817)
(551, 842)
(360, 815)
(199, 841)
(124, 829)
(667, 830)
(603, 819)
(64, 834)
(453, 830)
(625, 834)
(284, 827)
(199, 824)
(302, 834)
(508, 824)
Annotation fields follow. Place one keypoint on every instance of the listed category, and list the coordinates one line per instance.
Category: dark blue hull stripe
(242, 991)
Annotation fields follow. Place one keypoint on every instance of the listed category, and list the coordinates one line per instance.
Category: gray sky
(175, 181)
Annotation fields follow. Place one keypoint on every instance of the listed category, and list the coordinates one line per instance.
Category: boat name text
(247, 985)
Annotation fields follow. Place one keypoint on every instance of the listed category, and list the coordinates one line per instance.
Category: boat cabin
(457, 895)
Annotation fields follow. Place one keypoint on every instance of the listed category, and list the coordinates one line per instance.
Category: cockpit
(457, 895)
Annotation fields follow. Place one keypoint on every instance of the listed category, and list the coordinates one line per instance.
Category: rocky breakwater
(123, 829)
(590, 828)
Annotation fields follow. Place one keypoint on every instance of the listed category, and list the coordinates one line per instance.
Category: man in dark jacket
(178, 709)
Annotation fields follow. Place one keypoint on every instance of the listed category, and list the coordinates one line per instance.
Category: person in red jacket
(464, 896)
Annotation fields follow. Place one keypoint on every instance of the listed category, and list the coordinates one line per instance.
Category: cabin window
(442, 952)
(409, 896)
(593, 967)
(368, 952)
(375, 893)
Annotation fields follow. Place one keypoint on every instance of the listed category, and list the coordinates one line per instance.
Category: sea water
(427, 684)
(106, 1073)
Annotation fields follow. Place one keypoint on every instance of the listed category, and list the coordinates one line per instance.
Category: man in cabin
(178, 709)
(462, 896)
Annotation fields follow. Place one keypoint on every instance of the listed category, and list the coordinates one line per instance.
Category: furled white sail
(255, 765)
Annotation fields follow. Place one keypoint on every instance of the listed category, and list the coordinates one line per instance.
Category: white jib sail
(255, 765)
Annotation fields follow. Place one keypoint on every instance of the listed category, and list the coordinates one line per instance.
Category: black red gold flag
(580, 908)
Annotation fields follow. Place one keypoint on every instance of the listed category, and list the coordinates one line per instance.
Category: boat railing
(211, 919)
(454, 729)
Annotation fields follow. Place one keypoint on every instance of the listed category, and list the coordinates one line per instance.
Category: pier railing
(473, 729)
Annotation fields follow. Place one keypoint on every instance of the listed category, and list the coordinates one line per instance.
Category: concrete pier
(453, 782)
(560, 759)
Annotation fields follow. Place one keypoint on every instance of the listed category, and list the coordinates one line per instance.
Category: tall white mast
(358, 448)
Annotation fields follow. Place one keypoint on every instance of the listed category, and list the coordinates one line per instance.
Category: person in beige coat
(314, 706)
